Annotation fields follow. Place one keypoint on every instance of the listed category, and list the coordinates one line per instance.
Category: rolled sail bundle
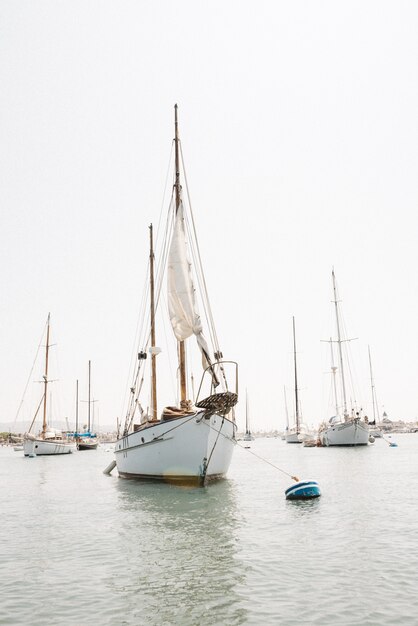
(303, 490)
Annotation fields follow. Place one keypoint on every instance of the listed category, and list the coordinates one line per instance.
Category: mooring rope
(234, 441)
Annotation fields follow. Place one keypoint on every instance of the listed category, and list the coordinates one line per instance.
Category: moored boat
(86, 440)
(344, 428)
(297, 433)
(193, 440)
(49, 441)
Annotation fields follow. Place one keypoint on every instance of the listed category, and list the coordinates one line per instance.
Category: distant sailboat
(350, 429)
(49, 441)
(86, 440)
(248, 436)
(297, 433)
(375, 430)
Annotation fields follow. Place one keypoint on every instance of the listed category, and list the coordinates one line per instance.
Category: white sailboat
(298, 432)
(194, 440)
(348, 429)
(374, 426)
(49, 441)
(248, 436)
(86, 440)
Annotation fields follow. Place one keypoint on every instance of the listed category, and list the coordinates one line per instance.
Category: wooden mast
(296, 381)
(177, 186)
(46, 377)
(154, 413)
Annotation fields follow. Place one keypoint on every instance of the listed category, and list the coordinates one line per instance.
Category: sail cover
(182, 306)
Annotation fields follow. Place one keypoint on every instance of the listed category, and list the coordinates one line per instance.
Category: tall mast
(153, 355)
(76, 409)
(372, 385)
(296, 380)
(46, 377)
(177, 186)
(89, 400)
(334, 378)
(247, 429)
(339, 344)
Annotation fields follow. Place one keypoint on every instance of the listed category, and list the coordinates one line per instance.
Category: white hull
(189, 448)
(293, 438)
(39, 447)
(248, 437)
(375, 432)
(352, 433)
(298, 437)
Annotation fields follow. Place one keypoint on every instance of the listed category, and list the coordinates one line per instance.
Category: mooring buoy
(303, 490)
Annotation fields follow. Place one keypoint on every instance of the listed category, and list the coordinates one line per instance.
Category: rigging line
(36, 413)
(213, 448)
(164, 193)
(138, 332)
(295, 478)
(170, 363)
(174, 427)
(30, 375)
(216, 343)
(199, 279)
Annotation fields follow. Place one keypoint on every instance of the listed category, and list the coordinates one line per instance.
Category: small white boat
(18, 448)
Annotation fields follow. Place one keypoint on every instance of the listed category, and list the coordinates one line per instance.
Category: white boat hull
(293, 438)
(188, 448)
(40, 447)
(375, 432)
(352, 433)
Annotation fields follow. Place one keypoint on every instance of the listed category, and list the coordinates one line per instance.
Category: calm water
(81, 548)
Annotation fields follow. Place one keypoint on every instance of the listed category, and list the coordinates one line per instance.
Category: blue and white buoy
(303, 490)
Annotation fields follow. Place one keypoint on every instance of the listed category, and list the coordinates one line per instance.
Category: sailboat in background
(375, 430)
(348, 429)
(248, 436)
(297, 433)
(86, 440)
(192, 441)
(49, 441)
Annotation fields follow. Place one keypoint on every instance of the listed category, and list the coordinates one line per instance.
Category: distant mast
(177, 187)
(374, 400)
(287, 411)
(76, 408)
(339, 345)
(247, 424)
(153, 354)
(334, 378)
(44, 426)
(89, 400)
(296, 381)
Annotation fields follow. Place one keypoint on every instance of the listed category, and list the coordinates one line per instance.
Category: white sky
(299, 130)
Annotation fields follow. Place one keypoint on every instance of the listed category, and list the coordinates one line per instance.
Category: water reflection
(182, 564)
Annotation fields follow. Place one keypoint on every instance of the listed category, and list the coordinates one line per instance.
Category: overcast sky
(298, 123)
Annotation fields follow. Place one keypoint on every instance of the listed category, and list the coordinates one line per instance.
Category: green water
(82, 548)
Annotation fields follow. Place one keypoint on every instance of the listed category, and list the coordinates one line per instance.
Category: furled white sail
(182, 306)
